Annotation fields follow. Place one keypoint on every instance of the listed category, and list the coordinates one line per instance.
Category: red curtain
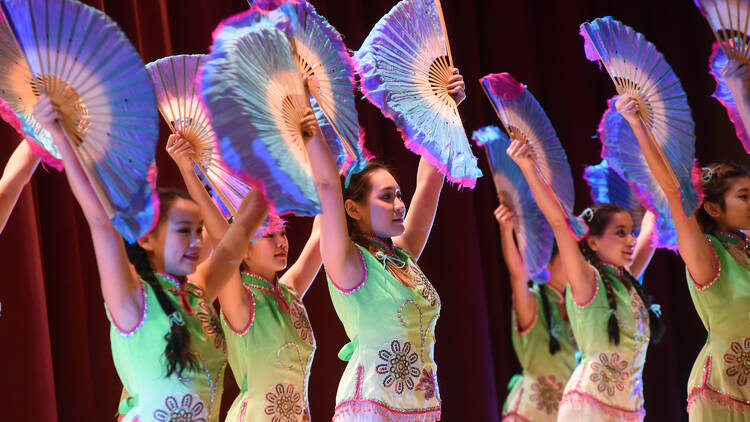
(55, 359)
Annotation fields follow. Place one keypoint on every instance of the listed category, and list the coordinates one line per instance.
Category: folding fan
(523, 118)
(638, 69)
(254, 94)
(404, 65)
(533, 233)
(722, 93)
(17, 91)
(730, 22)
(80, 59)
(608, 187)
(623, 154)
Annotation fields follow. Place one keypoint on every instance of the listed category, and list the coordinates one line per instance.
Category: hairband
(709, 173)
(587, 215)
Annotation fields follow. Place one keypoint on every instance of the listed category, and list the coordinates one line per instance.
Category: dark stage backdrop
(55, 358)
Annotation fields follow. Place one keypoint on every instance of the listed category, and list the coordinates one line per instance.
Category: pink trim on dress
(707, 393)
(593, 296)
(577, 398)
(513, 417)
(360, 284)
(144, 314)
(249, 320)
(717, 270)
(533, 321)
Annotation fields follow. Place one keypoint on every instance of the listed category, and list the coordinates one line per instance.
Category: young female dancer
(388, 307)
(717, 261)
(166, 339)
(268, 334)
(17, 173)
(542, 337)
(611, 318)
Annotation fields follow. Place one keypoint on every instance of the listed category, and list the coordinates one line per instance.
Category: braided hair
(178, 354)
(554, 342)
(599, 219)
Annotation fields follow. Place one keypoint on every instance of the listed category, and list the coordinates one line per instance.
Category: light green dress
(536, 393)
(607, 384)
(271, 356)
(391, 374)
(719, 384)
(141, 365)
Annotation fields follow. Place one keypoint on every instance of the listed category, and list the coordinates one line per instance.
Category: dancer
(388, 307)
(268, 333)
(167, 343)
(17, 173)
(717, 264)
(542, 337)
(612, 320)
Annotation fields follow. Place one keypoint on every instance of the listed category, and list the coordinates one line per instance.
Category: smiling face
(734, 213)
(382, 211)
(175, 244)
(616, 243)
(268, 255)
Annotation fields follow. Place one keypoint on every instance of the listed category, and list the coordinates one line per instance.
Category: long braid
(613, 326)
(655, 323)
(178, 354)
(554, 343)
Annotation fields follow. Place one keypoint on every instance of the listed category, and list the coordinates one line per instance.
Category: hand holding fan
(254, 94)
(730, 22)
(638, 69)
(608, 187)
(524, 119)
(405, 64)
(80, 59)
(533, 233)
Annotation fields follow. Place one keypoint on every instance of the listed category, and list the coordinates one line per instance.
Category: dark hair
(178, 354)
(715, 181)
(554, 342)
(601, 216)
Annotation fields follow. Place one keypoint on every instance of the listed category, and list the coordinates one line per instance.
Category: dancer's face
(616, 244)
(735, 214)
(383, 213)
(268, 255)
(175, 244)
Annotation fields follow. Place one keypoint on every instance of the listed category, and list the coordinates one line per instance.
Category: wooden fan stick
(223, 199)
(439, 8)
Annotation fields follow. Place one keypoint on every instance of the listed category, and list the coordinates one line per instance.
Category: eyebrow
(389, 188)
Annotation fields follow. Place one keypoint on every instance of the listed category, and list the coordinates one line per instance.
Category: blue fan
(608, 187)
(17, 91)
(254, 94)
(404, 65)
(80, 59)
(638, 69)
(623, 154)
(533, 233)
(717, 61)
(523, 118)
(730, 22)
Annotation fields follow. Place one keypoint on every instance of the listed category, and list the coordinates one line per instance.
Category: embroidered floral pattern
(640, 313)
(546, 393)
(738, 361)
(397, 369)
(301, 323)
(189, 408)
(610, 373)
(425, 287)
(211, 325)
(284, 404)
(427, 383)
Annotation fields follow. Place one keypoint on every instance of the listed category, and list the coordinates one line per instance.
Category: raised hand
(504, 217)
(735, 74)
(456, 87)
(47, 113)
(181, 151)
(520, 152)
(628, 107)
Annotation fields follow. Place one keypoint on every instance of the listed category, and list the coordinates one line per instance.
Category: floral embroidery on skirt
(187, 408)
(398, 368)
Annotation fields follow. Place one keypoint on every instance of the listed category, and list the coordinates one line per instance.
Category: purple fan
(717, 61)
(533, 233)
(621, 150)
(608, 187)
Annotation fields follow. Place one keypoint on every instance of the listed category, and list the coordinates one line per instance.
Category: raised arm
(694, 248)
(578, 271)
(16, 175)
(736, 76)
(302, 273)
(644, 249)
(523, 301)
(119, 282)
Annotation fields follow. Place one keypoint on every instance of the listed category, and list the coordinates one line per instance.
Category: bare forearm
(215, 223)
(741, 98)
(512, 256)
(16, 175)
